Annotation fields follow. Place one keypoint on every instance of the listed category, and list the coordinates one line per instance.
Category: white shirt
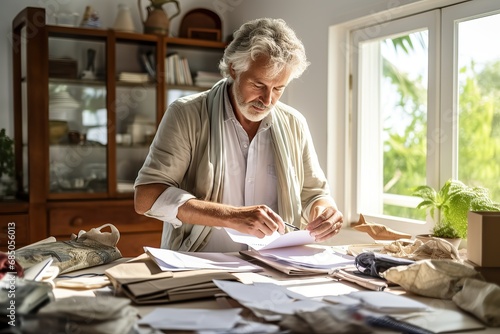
(249, 176)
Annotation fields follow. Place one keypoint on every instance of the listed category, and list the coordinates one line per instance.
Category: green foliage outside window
(405, 151)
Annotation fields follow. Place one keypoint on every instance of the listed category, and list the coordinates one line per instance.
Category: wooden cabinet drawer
(131, 244)
(15, 225)
(68, 219)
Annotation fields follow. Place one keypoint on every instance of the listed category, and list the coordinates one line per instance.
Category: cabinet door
(78, 116)
(136, 104)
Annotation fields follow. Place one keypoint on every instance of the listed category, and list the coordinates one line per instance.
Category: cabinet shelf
(187, 88)
(76, 32)
(78, 82)
(196, 43)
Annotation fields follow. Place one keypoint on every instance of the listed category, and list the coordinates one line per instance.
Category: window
(422, 107)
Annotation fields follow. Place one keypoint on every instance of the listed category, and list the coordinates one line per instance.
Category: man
(236, 157)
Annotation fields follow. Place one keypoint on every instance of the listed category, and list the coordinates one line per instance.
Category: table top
(446, 316)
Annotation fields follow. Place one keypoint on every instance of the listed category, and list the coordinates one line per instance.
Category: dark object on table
(373, 264)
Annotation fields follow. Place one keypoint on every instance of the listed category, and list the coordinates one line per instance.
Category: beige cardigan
(187, 153)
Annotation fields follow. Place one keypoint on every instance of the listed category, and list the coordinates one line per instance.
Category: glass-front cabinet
(87, 103)
(102, 110)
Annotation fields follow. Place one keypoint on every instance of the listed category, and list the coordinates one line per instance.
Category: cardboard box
(490, 274)
(483, 238)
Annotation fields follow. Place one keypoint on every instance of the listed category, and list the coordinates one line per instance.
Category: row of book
(178, 72)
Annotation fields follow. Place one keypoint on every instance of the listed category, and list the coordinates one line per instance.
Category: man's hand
(258, 220)
(325, 222)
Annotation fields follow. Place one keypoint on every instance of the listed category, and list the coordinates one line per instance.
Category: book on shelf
(133, 77)
(149, 64)
(206, 79)
(177, 70)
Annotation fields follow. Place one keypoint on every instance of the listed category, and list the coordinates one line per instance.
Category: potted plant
(453, 202)
(6, 165)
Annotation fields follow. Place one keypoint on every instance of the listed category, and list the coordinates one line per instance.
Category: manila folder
(139, 269)
(183, 285)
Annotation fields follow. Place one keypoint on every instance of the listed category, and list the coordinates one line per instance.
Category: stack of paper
(292, 253)
(168, 260)
(192, 319)
(144, 283)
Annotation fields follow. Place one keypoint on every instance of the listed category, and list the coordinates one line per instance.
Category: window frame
(342, 103)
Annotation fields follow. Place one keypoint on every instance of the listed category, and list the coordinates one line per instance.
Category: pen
(293, 227)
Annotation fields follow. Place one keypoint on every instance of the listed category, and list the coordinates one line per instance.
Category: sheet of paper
(309, 257)
(386, 302)
(273, 241)
(191, 319)
(268, 296)
(169, 260)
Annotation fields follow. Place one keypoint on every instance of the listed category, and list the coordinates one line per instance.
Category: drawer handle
(77, 221)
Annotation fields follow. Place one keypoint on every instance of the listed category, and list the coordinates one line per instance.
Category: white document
(273, 241)
(387, 302)
(308, 257)
(191, 319)
(268, 296)
(169, 260)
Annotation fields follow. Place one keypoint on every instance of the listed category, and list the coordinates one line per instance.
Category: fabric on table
(434, 248)
(481, 299)
(87, 249)
(432, 278)
(374, 264)
(84, 314)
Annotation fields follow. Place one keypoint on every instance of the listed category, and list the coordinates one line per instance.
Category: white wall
(310, 20)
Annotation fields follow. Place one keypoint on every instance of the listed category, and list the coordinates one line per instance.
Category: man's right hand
(257, 220)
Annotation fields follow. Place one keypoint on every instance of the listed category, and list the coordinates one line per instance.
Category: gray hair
(267, 37)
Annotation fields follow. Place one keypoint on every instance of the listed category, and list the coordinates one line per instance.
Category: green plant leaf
(454, 201)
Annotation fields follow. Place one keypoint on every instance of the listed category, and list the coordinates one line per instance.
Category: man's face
(255, 91)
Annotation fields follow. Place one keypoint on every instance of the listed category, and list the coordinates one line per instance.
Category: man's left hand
(326, 222)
